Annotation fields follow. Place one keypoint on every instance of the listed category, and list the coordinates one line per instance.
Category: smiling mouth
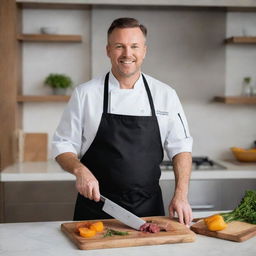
(127, 61)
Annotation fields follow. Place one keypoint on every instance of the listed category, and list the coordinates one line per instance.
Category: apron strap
(105, 102)
(149, 96)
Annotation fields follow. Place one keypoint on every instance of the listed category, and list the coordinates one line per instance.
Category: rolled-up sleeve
(67, 137)
(178, 138)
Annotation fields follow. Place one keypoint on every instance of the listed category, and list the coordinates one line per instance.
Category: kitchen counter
(50, 171)
(46, 238)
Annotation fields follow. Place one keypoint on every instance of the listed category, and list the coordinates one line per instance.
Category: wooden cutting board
(35, 147)
(176, 233)
(235, 231)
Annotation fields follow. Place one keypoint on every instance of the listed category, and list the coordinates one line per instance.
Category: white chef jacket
(81, 118)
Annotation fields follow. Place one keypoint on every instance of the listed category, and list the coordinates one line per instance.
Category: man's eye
(135, 46)
(119, 46)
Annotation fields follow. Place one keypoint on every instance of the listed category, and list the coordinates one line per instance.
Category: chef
(113, 132)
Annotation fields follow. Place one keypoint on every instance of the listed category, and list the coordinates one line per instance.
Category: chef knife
(121, 214)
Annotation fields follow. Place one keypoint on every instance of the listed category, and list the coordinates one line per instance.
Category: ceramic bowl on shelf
(244, 155)
(49, 30)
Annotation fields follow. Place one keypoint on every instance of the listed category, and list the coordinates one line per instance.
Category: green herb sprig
(112, 232)
(245, 211)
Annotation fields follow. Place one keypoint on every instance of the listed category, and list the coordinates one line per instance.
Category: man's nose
(127, 52)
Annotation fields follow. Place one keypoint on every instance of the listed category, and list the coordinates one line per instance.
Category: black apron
(125, 157)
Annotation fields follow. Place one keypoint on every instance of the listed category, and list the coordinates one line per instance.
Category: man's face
(126, 49)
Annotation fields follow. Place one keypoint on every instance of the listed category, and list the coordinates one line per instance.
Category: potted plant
(247, 87)
(59, 83)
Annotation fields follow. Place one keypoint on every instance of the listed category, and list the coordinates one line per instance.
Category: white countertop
(35, 171)
(46, 238)
(51, 171)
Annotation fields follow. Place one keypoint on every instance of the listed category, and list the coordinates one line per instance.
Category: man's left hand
(181, 206)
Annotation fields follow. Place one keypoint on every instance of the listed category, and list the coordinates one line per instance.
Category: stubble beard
(128, 75)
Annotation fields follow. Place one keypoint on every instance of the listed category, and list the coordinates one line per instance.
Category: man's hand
(86, 183)
(182, 208)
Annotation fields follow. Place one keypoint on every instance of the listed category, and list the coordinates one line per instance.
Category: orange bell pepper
(97, 226)
(89, 229)
(82, 225)
(86, 232)
(215, 222)
(211, 218)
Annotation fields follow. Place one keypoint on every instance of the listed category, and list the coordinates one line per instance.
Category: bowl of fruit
(244, 155)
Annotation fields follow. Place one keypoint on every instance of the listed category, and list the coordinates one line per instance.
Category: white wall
(40, 59)
(186, 50)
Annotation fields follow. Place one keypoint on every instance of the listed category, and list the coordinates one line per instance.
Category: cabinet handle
(202, 206)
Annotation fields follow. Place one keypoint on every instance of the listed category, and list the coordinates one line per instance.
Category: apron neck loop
(105, 102)
(149, 96)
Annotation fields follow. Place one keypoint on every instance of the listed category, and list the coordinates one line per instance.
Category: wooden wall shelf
(49, 38)
(236, 99)
(249, 4)
(43, 98)
(241, 40)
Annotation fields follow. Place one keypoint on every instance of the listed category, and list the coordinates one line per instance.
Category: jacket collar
(114, 83)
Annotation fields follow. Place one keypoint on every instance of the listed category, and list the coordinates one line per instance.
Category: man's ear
(107, 50)
(145, 51)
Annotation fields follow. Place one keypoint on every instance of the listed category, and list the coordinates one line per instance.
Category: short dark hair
(127, 23)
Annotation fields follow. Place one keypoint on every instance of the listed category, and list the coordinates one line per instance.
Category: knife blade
(121, 214)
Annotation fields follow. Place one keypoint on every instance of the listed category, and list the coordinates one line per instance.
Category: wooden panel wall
(10, 79)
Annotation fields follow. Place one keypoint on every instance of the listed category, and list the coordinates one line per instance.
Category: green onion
(112, 232)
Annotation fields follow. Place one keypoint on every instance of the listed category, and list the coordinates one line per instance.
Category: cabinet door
(233, 191)
(210, 195)
(1, 202)
(39, 201)
(205, 195)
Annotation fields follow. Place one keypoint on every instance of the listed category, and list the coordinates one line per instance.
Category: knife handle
(102, 198)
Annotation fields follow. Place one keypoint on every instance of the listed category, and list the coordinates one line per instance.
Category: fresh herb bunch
(58, 81)
(112, 232)
(247, 79)
(245, 211)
